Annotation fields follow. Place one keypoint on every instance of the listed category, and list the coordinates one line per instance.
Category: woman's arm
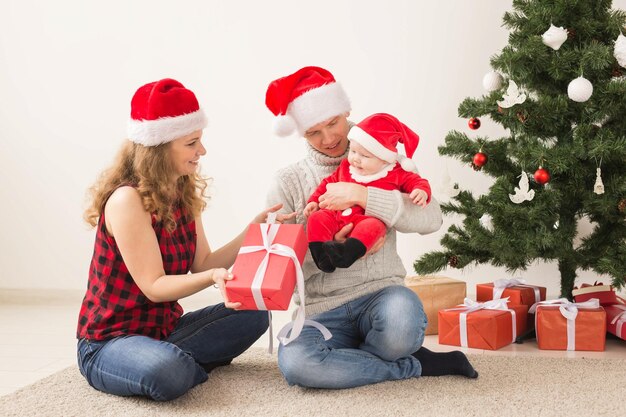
(131, 226)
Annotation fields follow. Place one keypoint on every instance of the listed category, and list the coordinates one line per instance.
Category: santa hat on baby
(162, 111)
(380, 134)
(305, 98)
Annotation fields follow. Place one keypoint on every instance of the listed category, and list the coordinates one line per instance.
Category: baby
(373, 161)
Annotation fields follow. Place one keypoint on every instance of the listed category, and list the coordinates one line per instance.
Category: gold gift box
(436, 294)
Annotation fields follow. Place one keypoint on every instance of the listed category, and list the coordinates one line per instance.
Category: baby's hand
(311, 208)
(419, 197)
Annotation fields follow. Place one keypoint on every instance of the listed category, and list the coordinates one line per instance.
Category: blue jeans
(373, 338)
(166, 369)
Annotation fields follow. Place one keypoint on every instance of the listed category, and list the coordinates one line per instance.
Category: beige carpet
(253, 386)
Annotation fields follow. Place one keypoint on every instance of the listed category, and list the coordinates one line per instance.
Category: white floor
(38, 335)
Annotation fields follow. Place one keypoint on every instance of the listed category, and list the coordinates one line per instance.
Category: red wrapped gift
(265, 276)
(616, 320)
(490, 325)
(563, 325)
(515, 289)
(604, 293)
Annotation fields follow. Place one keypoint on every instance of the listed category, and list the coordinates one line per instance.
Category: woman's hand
(220, 276)
(310, 208)
(280, 217)
(341, 195)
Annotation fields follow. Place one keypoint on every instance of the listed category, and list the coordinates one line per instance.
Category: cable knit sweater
(292, 186)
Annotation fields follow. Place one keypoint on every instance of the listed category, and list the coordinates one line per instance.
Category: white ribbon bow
(501, 284)
(268, 234)
(470, 306)
(568, 310)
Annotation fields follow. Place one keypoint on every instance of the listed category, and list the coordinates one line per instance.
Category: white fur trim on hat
(165, 129)
(317, 105)
(371, 144)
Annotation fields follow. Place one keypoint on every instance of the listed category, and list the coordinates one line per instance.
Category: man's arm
(398, 211)
(276, 194)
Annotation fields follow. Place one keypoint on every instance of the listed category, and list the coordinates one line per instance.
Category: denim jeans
(373, 338)
(166, 369)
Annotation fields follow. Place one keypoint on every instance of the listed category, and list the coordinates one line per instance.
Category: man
(377, 324)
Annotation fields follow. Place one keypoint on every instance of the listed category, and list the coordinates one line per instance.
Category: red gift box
(616, 320)
(563, 325)
(484, 328)
(604, 293)
(279, 280)
(515, 289)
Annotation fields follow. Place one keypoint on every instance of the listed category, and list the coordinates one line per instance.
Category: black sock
(320, 257)
(343, 255)
(444, 363)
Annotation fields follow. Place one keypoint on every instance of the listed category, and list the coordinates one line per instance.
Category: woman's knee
(172, 377)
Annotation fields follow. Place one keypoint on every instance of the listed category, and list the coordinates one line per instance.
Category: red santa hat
(162, 111)
(305, 98)
(380, 134)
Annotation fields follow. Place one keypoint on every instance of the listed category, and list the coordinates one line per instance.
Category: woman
(132, 336)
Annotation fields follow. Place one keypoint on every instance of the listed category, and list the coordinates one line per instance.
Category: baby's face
(363, 161)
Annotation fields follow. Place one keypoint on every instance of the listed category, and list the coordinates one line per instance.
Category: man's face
(330, 137)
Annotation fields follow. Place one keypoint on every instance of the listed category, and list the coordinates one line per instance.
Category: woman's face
(186, 152)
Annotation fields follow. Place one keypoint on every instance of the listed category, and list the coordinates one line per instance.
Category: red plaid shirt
(114, 305)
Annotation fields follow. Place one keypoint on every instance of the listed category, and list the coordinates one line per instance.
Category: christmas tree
(559, 89)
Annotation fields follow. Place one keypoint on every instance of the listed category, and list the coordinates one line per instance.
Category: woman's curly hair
(149, 169)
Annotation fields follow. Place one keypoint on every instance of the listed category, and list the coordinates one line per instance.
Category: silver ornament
(598, 187)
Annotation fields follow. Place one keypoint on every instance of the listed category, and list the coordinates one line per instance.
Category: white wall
(68, 70)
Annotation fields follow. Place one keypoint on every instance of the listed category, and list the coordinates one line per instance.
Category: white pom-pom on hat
(407, 164)
(284, 125)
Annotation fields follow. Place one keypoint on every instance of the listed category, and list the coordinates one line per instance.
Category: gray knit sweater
(293, 186)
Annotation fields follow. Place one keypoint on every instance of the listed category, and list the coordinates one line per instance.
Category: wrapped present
(515, 289)
(563, 325)
(489, 325)
(266, 267)
(436, 293)
(616, 320)
(604, 293)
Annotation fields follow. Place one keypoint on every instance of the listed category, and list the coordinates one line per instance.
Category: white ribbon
(568, 310)
(620, 319)
(470, 306)
(268, 233)
(501, 284)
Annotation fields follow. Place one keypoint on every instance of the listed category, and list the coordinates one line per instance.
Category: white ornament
(619, 51)
(446, 187)
(556, 224)
(598, 187)
(486, 221)
(554, 37)
(580, 89)
(492, 81)
(523, 192)
(512, 96)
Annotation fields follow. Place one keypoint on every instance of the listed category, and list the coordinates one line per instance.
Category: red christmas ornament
(542, 176)
(474, 123)
(480, 159)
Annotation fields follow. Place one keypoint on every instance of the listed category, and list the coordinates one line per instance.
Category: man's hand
(341, 195)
